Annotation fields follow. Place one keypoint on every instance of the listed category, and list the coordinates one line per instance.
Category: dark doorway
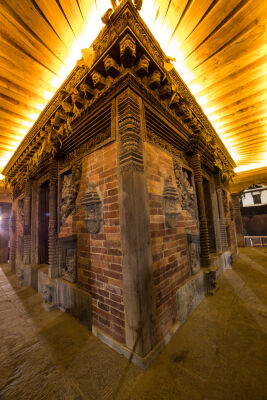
(43, 223)
(209, 215)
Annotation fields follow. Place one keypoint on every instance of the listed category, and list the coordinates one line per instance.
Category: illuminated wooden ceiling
(220, 48)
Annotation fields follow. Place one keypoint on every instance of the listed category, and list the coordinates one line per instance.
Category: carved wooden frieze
(93, 205)
(193, 249)
(170, 198)
(139, 55)
(185, 186)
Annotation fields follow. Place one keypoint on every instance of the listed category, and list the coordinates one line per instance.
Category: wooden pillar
(203, 226)
(13, 242)
(238, 220)
(52, 226)
(27, 223)
(222, 219)
(135, 228)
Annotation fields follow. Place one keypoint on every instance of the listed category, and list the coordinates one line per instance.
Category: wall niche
(68, 258)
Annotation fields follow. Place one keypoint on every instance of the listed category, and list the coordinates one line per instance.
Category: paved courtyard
(219, 353)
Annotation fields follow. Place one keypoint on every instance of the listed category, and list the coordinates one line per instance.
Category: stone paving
(220, 352)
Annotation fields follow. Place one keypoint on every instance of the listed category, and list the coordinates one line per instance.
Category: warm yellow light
(47, 95)
(40, 106)
(33, 116)
(250, 167)
(23, 131)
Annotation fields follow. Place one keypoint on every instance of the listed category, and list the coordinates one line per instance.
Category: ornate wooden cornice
(124, 53)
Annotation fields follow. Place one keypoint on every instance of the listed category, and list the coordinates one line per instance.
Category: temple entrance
(43, 223)
(208, 207)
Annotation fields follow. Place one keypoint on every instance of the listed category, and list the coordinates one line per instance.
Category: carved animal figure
(106, 17)
(138, 4)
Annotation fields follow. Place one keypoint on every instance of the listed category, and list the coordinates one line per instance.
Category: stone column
(13, 242)
(27, 223)
(52, 226)
(218, 183)
(203, 226)
(238, 220)
(135, 227)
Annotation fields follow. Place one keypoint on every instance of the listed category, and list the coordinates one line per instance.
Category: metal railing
(255, 241)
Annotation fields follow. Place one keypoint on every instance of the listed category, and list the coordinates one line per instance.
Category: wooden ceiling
(220, 48)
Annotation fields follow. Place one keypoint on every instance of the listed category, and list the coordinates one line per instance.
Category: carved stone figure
(127, 51)
(211, 280)
(106, 17)
(49, 296)
(21, 277)
(138, 4)
(193, 246)
(93, 205)
(69, 266)
(186, 189)
(170, 198)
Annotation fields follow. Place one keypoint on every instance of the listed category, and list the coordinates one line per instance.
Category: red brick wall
(169, 248)
(100, 255)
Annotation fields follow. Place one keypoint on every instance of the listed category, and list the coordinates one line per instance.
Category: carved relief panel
(68, 258)
(70, 184)
(93, 205)
(184, 181)
(193, 249)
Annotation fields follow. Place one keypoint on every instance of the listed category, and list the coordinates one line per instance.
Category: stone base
(141, 362)
(222, 262)
(190, 295)
(68, 297)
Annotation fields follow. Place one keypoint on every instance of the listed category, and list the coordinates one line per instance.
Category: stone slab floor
(220, 352)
